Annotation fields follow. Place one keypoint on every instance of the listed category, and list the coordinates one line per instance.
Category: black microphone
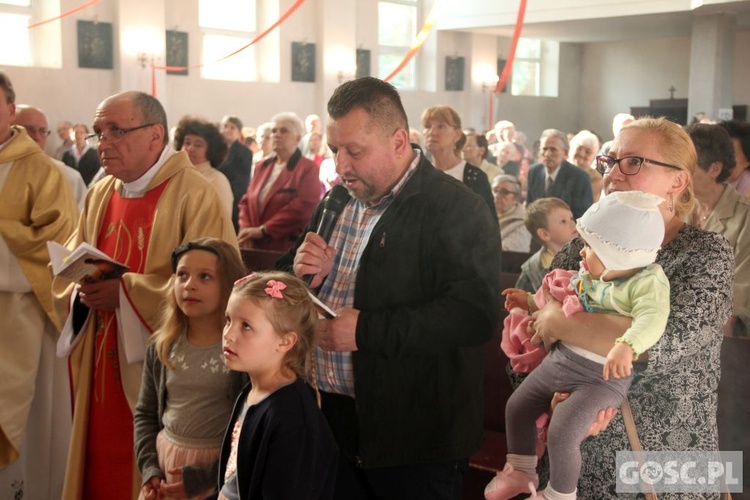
(333, 204)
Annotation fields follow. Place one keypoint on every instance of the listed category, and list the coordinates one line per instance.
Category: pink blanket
(516, 341)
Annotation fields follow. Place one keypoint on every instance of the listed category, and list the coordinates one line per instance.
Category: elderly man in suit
(554, 176)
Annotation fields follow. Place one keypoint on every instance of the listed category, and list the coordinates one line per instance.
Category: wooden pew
(259, 260)
(511, 261)
(497, 389)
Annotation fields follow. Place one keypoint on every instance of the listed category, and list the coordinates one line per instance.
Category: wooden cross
(671, 92)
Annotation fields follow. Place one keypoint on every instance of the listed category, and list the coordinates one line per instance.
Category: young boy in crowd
(550, 222)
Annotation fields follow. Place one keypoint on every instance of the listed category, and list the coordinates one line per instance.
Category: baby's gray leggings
(561, 371)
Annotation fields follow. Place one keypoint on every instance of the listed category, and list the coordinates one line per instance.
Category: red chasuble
(124, 236)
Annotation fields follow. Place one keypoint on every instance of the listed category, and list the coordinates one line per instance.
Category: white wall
(597, 80)
(534, 114)
(624, 74)
(254, 102)
(742, 68)
(70, 93)
(481, 13)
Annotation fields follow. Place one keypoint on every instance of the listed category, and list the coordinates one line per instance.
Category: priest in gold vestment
(36, 205)
(151, 201)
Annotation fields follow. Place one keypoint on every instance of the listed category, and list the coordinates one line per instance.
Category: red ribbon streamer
(66, 14)
(255, 40)
(408, 57)
(491, 106)
(275, 25)
(513, 44)
(421, 39)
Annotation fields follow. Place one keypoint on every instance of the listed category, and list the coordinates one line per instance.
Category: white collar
(137, 188)
(457, 171)
(553, 175)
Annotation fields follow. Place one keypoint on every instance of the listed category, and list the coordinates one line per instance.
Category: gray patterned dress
(674, 398)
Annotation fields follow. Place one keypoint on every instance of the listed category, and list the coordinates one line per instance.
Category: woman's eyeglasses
(629, 165)
(503, 192)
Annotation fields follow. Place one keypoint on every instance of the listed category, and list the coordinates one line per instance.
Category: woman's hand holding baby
(542, 326)
(603, 418)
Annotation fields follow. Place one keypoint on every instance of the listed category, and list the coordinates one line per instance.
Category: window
(40, 47)
(15, 16)
(397, 28)
(536, 68)
(227, 25)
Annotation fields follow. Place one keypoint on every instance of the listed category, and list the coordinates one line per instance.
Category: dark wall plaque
(500, 67)
(303, 62)
(177, 51)
(363, 63)
(94, 45)
(454, 73)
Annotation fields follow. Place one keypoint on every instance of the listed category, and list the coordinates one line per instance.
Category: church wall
(624, 74)
(597, 80)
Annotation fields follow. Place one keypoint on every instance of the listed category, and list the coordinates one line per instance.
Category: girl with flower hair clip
(278, 443)
(186, 391)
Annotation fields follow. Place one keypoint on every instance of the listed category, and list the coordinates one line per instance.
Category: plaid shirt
(350, 237)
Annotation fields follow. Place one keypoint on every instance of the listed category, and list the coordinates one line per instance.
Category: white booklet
(323, 310)
(85, 264)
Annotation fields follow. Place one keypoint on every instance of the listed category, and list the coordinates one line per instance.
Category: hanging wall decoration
(177, 52)
(303, 62)
(421, 38)
(94, 45)
(64, 14)
(363, 63)
(292, 8)
(500, 68)
(454, 73)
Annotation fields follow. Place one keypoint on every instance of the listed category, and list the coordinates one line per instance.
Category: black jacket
(285, 450)
(87, 166)
(477, 181)
(237, 167)
(428, 294)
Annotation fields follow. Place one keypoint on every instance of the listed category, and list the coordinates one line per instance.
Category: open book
(323, 310)
(85, 264)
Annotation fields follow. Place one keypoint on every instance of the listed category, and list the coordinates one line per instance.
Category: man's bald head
(149, 108)
(34, 121)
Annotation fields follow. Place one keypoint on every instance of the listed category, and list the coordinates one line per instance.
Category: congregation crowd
(185, 378)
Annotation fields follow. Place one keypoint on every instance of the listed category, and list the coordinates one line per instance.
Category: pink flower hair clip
(274, 289)
(242, 280)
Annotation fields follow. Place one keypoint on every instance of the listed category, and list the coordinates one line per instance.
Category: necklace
(706, 206)
(705, 212)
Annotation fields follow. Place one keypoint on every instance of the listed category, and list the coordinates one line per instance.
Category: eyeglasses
(629, 165)
(113, 135)
(34, 130)
(503, 192)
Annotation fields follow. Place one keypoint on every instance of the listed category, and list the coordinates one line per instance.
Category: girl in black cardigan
(278, 444)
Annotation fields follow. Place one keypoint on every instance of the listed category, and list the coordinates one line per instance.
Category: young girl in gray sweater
(187, 393)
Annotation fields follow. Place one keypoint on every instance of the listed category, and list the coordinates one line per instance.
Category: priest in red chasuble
(151, 201)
